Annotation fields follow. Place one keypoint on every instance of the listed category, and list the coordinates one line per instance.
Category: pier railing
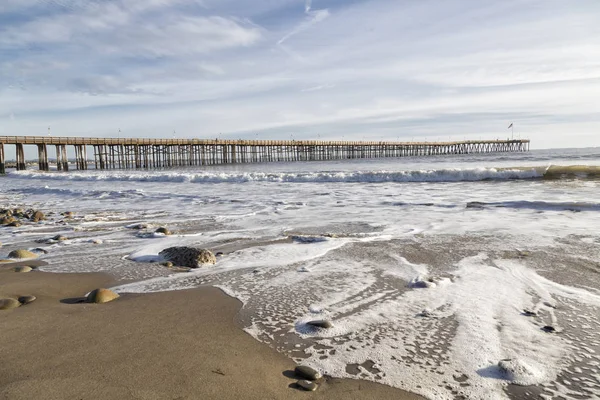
(139, 153)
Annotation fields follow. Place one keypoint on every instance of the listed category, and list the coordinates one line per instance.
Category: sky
(300, 69)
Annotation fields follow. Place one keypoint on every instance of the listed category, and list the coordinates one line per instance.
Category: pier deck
(136, 153)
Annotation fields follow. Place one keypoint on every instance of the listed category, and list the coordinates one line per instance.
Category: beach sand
(170, 345)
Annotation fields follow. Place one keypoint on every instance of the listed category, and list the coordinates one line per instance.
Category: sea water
(440, 275)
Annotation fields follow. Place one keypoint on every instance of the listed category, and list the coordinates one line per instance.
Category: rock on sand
(22, 254)
(7, 304)
(24, 268)
(7, 220)
(163, 230)
(188, 256)
(26, 299)
(307, 372)
(38, 216)
(101, 296)
(307, 385)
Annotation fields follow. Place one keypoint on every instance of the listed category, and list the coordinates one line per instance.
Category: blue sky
(329, 69)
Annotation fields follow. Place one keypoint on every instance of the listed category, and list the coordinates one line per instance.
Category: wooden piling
(43, 157)
(20, 155)
(2, 160)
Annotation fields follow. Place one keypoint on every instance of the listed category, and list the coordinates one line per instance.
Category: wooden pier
(129, 153)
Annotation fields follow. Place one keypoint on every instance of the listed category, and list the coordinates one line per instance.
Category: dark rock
(307, 385)
(549, 329)
(420, 283)
(321, 323)
(39, 250)
(529, 313)
(60, 238)
(188, 256)
(219, 254)
(138, 226)
(26, 299)
(476, 205)
(163, 230)
(307, 372)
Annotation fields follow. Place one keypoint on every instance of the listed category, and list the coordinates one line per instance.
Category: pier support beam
(21, 166)
(62, 163)
(2, 160)
(43, 157)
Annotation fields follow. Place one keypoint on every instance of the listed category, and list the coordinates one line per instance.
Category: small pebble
(529, 313)
(307, 385)
(549, 329)
(23, 269)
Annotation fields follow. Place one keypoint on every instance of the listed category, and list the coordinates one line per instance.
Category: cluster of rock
(190, 257)
(16, 216)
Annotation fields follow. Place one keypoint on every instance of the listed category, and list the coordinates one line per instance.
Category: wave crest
(441, 175)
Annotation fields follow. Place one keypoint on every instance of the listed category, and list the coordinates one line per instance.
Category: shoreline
(181, 345)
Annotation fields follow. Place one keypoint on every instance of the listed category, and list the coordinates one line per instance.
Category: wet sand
(170, 345)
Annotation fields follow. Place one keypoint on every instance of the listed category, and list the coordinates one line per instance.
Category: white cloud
(378, 66)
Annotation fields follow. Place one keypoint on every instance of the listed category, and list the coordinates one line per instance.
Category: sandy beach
(170, 345)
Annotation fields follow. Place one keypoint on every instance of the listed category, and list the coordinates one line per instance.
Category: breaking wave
(432, 175)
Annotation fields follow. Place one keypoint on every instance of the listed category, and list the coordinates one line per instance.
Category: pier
(134, 153)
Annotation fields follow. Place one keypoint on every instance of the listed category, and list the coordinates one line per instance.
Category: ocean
(471, 276)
